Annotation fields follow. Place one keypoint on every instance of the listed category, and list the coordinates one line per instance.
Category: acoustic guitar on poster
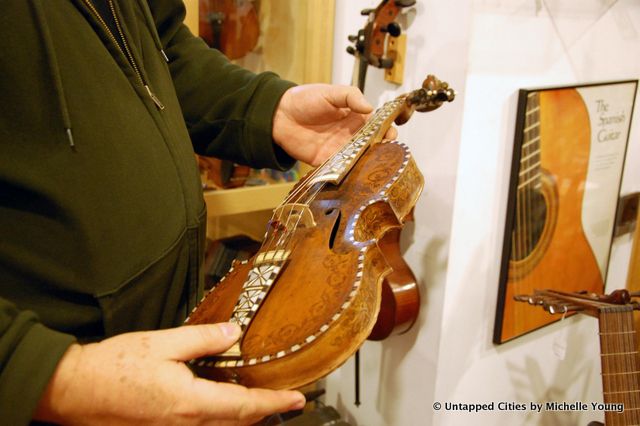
(545, 238)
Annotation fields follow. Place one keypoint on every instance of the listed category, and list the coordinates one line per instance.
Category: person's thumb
(348, 97)
(193, 341)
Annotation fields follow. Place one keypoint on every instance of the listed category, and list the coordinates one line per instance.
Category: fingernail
(298, 405)
(229, 329)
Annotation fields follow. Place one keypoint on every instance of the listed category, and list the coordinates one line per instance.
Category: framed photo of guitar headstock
(568, 158)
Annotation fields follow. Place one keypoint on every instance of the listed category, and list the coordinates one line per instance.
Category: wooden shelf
(296, 41)
(247, 199)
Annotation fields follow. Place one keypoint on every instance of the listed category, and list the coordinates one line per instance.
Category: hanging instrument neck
(620, 369)
(337, 167)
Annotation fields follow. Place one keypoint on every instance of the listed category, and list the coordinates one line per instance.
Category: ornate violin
(230, 26)
(618, 345)
(311, 295)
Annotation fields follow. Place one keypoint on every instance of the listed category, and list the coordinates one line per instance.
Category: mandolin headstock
(430, 96)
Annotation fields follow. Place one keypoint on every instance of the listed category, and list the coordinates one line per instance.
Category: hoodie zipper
(127, 51)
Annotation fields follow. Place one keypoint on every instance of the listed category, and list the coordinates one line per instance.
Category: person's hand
(312, 121)
(140, 378)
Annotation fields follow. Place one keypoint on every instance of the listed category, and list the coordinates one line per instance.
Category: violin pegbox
(432, 94)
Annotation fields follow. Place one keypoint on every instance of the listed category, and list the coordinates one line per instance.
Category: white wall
(398, 375)
(487, 50)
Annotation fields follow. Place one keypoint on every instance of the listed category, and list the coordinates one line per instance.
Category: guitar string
(530, 165)
(623, 359)
(530, 188)
(636, 376)
(525, 204)
(613, 385)
(620, 360)
(632, 363)
(628, 360)
(615, 359)
(609, 380)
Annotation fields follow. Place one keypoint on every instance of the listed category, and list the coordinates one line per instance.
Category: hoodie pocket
(161, 295)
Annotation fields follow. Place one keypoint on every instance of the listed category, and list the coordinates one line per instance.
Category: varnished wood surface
(317, 281)
(633, 273)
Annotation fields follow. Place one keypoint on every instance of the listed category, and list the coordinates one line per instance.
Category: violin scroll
(432, 94)
(429, 97)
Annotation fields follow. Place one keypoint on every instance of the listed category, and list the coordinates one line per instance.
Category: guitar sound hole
(531, 216)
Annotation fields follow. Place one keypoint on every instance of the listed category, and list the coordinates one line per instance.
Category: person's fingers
(392, 133)
(192, 341)
(348, 97)
(232, 401)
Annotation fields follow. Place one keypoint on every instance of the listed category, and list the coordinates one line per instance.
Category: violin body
(400, 303)
(231, 26)
(327, 295)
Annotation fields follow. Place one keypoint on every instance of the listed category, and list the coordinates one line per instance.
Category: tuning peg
(386, 63)
(367, 12)
(405, 3)
(352, 38)
(393, 29)
(351, 50)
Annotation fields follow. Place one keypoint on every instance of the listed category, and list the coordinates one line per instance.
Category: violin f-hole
(336, 226)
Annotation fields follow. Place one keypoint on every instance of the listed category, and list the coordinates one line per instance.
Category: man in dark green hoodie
(101, 213)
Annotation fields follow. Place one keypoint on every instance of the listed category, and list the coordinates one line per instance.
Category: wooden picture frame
(568, 158)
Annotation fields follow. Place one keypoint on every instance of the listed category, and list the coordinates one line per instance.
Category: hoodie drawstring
(152, 28)
(54, 68)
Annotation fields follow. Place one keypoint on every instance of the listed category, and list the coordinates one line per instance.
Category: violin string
(372, 123)
(290, 233)
(272, 242)
(301, 189)
(276, 240)
(318, 169)
(356, 136)
(375, 122)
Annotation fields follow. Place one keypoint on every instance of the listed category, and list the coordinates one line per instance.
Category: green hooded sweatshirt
(101, 210)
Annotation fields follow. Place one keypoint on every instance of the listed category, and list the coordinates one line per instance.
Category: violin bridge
(294, 215)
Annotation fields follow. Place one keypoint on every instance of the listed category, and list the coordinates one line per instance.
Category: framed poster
(570, 145)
